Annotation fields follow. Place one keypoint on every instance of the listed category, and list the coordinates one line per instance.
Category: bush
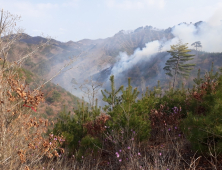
(127, 116)
(71, 129)
(77, 130)
(49, 111)
(88, 145)
(28, 62)
(203, 125)
(55, 97)
(42, 68)
(27, 74)
(174, 98)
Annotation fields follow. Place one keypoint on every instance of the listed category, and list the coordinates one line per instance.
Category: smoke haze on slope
(210, 35)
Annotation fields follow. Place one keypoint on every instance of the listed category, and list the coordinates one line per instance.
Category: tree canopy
(175, 64)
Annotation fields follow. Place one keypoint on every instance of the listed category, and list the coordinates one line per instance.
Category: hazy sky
(74, 20)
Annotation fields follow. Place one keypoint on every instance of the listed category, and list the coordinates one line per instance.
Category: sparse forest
(170, 127)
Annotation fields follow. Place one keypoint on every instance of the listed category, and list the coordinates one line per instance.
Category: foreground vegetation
(179, 129)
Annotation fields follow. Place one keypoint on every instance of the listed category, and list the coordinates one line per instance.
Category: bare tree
(16, 102)
(90, 89)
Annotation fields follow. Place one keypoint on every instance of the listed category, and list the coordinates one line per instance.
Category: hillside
(147, 73)
(55, 96)
(97, 58)
(147, 98)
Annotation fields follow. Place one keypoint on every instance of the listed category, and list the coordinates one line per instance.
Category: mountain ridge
(92, 56)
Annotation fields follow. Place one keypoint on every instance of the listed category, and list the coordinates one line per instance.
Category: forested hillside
(161, 101)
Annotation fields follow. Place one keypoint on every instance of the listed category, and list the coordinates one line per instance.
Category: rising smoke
(208, 33)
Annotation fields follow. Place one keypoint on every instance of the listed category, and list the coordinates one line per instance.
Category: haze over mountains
(140, 54)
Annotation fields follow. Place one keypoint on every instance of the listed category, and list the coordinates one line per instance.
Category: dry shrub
(22, 142)
(97, 126)
(21, 135)
(198, 95)
(162, 122)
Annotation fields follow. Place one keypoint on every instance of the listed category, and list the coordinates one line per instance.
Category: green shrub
(128, 115)
(78, 141)
(203, 125)
(43, 68)
(174, 98)
(49, 111)
(28, 62)
(26, 73)
(55, 97)
(71, 129)
(88, 145)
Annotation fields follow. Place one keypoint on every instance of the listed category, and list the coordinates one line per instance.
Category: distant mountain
(95, 57)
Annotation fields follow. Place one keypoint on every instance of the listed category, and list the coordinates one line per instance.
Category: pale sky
(66, 20)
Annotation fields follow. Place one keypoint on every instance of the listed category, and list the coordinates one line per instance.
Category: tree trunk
(175, 72)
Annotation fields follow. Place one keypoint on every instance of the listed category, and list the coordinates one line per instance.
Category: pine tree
(112, 98)
(197, 44)
(175, 65)
(96, 110)
(129, 95)
(211, 74)
(157, 90)
(83, 110)
(198, 81)
(128, 115)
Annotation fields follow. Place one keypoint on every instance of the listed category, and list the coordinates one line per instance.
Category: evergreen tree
(129, 95)
(112, 98)
(202, 125)
(83, 111)
(175, 65)
(157, 90)
(198, 80)
(127, 115)
(96, 110)
(197, 44)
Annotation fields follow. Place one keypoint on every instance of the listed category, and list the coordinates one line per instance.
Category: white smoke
(208, 33)
(210, 36)
(216, 18)
(125, 62)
